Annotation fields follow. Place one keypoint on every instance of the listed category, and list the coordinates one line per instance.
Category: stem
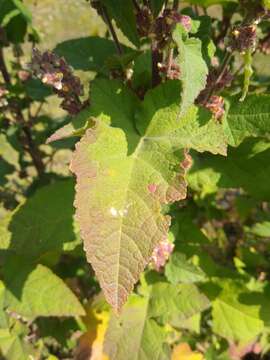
(222, 70)
(169, 61)
(112, 31)
(156, 58)
(3, 67)
(33, 151)
(175, 4)
(27, 141)
(136, 5)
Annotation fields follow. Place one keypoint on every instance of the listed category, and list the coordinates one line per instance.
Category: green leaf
(261, 229)
(176, 303)
(122, 225)
(246, 166)
(236, 316)
(88, 54)
(147, 340)
(122, 11)
(190, 57)
(8, 153)
(37, 291)
(250, 118)
(23, 10)
(179, 270)
(42, 224)
(36, 90)
(12, 346)
(156, 6)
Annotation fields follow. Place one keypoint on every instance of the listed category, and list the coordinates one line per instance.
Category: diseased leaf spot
(152, 188)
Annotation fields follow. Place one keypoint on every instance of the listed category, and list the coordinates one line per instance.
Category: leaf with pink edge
(130, 147)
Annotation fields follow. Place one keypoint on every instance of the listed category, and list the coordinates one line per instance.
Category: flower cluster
(172, 72)
(216, 106)
(161, 254)
(160, 29)
(55, 72)
(165, 23)
(243, 38)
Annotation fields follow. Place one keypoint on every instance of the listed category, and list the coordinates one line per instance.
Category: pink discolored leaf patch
(152, 188)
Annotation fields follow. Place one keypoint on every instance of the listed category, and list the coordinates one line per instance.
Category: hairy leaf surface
(193, 69)
(250, 118)
(124, 176)
(147, 340)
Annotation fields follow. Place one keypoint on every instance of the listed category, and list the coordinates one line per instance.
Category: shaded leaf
(37, 291)
(246, 166)
(89, 53)
(42, 224)
(122, 11)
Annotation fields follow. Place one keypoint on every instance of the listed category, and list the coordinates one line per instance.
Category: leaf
(12, 347)
(122, 11)
(88, 54)
(179, 270)
(147, 340)
(42, 224)
(122, 225)
(8, 153)
(184, 352)
(156, 6)
(250, 118)
(190, 57)
(261, 229)
(36, 90)
(176, 303)
(23, 10)
(246, 167)
(236, 316)
(37, 291)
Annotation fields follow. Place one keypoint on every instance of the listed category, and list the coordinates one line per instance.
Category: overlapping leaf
(147, 340)
(193, 69)
(37, 291)
(124, 176)
(42, 224)
(248, 119)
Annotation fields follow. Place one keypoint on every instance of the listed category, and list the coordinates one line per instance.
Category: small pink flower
(161, 254)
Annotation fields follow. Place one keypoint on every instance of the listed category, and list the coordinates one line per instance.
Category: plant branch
(223, 67)
(27, 140)
(175, 4)
(137, 7)
(112, 31)
(156, 59)
(3, 67)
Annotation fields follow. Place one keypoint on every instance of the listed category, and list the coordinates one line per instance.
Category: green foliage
(158, 248)
(193, 67)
